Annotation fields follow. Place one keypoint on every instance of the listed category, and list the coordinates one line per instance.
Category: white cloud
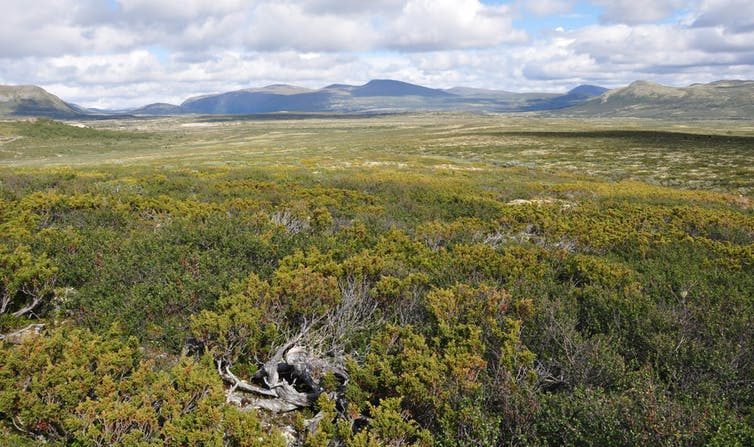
(638, 11)
(276, 26)
(733, 15)
(352, 7)
(172, 11)
(547, 7)
(79, 27)
(617, 54)
(443, 24)
(142, 51)
(46, 29)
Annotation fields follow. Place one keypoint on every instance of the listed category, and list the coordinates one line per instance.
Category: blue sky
(120, 53)
(579, 15)
(541, 27)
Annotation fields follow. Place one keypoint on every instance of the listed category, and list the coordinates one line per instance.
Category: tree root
(291, 380)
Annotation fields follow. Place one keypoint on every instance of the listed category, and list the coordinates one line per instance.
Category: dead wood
(19, 336)
(292, 378)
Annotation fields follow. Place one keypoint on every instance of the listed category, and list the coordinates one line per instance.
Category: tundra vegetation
(428, 280)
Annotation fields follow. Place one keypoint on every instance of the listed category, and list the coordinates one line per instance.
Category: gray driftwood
(19, 336)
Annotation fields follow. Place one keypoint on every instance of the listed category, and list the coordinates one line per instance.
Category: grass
(719, 158)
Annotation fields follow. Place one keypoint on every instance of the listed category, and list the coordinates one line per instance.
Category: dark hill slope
(29, 100)
(387, 87)
(247, 102)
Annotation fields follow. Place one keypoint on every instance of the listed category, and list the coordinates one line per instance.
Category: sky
(127, 53)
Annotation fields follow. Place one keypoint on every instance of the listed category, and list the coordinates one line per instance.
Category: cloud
(49, 28)
(405, 25)
(637, 11)
(79, 27)
(616, 54)
(286, 26)
(132, 52)
(733, 15)
(547, 7)
(164, 11)
(346, 7)
(138, 77)
(446, 24)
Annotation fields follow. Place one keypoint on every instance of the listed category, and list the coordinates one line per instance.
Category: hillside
(29, 100)
(642, 99)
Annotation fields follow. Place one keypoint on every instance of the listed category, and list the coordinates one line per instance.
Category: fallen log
(17, 337)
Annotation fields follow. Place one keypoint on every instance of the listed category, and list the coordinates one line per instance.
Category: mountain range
(376, 96)
(717, 100)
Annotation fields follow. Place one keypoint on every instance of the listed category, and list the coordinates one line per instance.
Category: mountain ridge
(378, 95)
(723, 99)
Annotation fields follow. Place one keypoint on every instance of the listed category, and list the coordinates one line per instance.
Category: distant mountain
(586, 91)
(574, 97)
(470, 92)
(157, 109)
(380, 95)
(388, 87)
(340, 87)
(281, 89)
(29, 100)
(643, 99)
(258, 101)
